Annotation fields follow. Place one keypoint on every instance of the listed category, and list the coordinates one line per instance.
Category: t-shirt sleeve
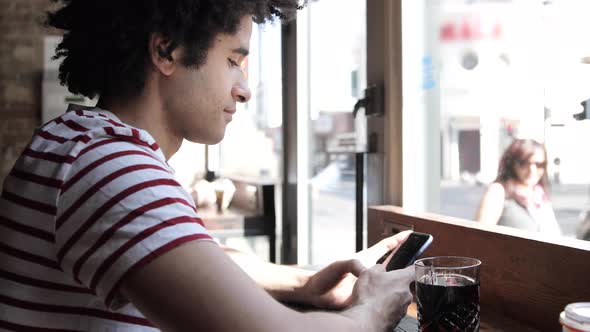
(119, 208)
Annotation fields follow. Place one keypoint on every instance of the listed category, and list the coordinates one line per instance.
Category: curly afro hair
(105, 42)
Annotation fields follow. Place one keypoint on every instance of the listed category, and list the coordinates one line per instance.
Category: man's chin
(211, 139)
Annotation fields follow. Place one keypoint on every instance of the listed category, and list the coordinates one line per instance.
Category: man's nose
(241, 93)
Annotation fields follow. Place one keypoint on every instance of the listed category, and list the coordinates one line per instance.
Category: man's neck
(146, 112)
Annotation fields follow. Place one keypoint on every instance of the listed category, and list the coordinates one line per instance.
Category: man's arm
(330, 287)
(284, 283)
(197, 286)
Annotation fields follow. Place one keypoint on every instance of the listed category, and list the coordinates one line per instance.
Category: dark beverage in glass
(447, 293)
(448, 308)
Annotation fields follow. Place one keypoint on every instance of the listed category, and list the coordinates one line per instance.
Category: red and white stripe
(89, 201)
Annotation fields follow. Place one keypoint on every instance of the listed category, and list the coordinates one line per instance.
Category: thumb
(395, 240)
(353, 266)
(406, 275)
(333, 273)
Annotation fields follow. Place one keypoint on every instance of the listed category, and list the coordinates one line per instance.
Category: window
(332, 67)
(482, 74)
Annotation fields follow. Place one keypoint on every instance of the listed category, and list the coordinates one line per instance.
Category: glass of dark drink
(447, 292)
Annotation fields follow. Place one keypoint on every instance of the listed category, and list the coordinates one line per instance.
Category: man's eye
(232, 62)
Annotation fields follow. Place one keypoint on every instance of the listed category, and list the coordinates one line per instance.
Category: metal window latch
(585, 114)
(372, 103)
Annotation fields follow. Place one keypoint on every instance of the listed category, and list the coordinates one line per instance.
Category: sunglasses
(526, 163)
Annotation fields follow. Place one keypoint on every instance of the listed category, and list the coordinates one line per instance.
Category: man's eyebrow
(241, 51)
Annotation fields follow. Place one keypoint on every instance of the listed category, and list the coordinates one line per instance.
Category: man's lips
(230, 111)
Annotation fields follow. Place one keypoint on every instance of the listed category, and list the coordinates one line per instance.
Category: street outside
(333, 213)
(333, 210)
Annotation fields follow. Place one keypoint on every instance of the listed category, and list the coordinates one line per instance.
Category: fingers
(397, 239)
(406, 275)
(371, 256)
(356, 267)
(334, 272)
(339, 269)
(402, 236)
(387, 291)
(378, 268)
(330, 285)
(392, 242)
(403, 279)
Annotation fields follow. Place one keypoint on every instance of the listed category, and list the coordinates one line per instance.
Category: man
(96, 233)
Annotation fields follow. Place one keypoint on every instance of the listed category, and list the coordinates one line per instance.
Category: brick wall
(21, 65)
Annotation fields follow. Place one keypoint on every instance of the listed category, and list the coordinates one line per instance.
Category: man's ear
(162, 58)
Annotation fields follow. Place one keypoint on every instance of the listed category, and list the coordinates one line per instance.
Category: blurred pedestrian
(519, 196)
(557, 170)
(583, 229)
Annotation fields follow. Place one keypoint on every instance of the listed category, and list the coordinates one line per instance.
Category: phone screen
(407, 253)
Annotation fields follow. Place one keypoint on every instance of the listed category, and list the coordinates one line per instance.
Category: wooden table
(526, 277)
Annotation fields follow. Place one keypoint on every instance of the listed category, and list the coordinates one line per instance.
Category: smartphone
(408, 252)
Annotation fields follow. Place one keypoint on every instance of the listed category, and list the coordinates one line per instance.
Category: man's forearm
(284, 283)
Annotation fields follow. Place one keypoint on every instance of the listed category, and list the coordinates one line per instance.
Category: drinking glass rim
(476, 261)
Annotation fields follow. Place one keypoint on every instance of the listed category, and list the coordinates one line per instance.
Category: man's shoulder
(80, 130)
(89, 145)
(103, 124)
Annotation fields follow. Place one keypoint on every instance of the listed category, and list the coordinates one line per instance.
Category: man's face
(200, 102)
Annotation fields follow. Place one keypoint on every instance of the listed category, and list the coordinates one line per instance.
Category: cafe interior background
(462, 79)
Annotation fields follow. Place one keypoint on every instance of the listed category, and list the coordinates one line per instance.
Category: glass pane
(337, 76)
(510, 71)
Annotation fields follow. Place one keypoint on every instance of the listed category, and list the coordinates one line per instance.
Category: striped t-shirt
(89, 201)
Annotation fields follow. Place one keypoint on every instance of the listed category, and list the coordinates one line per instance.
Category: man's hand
(370, 255)
(380, 299)
(331, 287)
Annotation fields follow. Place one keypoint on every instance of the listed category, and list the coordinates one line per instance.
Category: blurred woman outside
(519, 196)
